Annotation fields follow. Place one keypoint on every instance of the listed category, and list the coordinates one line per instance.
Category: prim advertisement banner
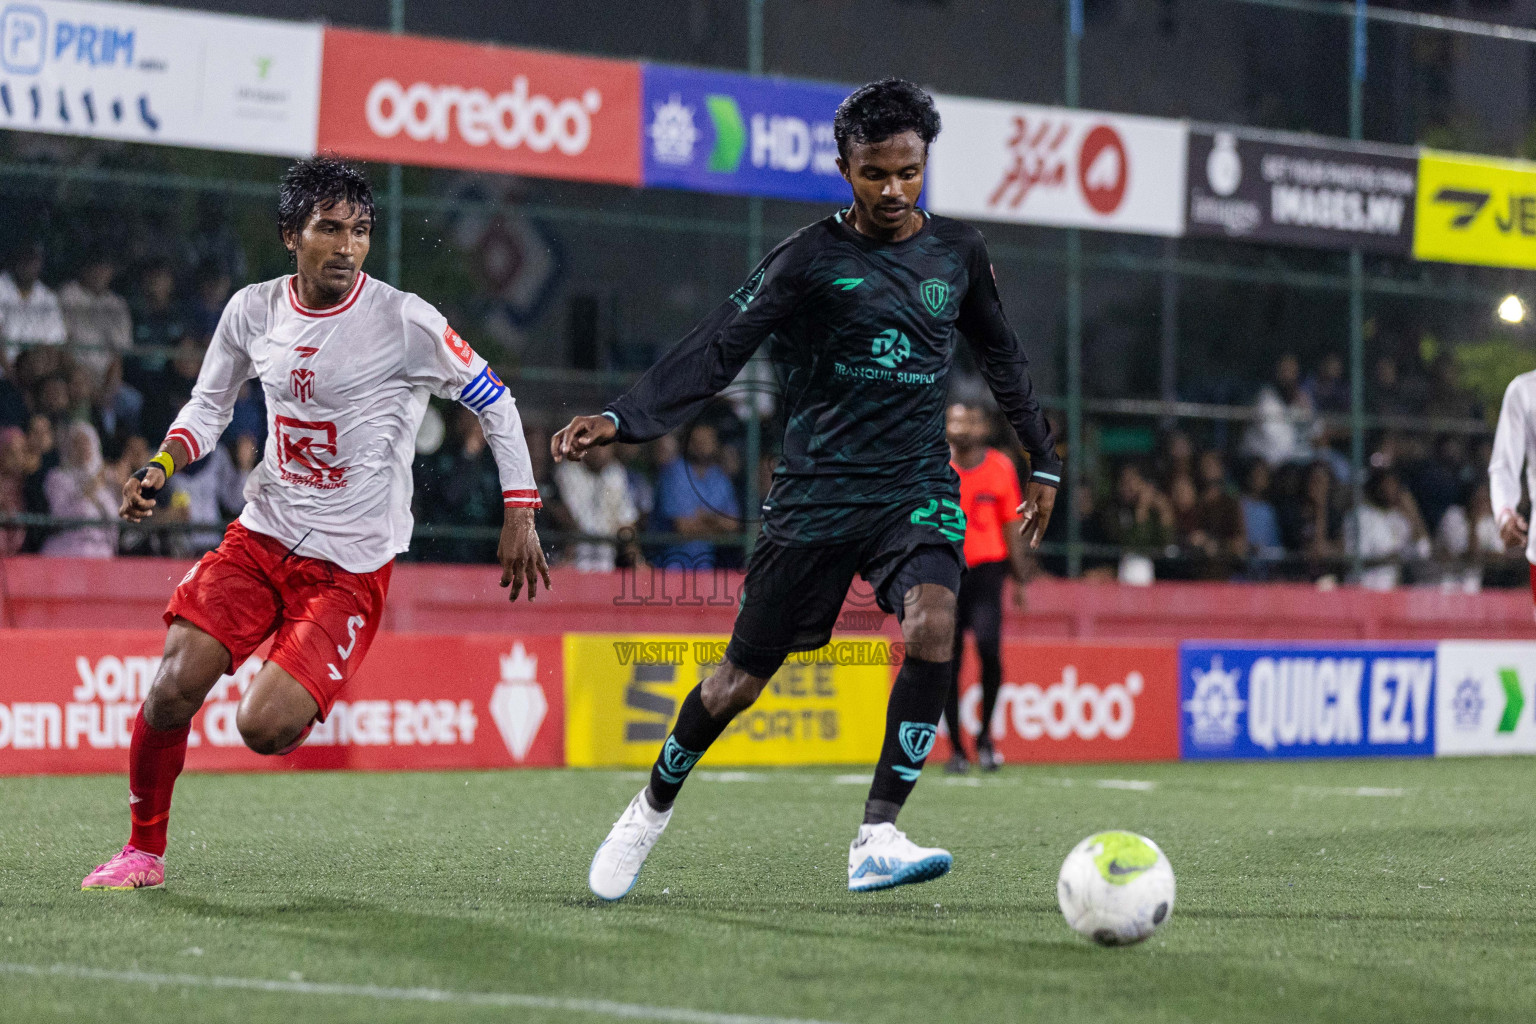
(1256, 189)
(1487, 699)
(1474, 209)
(1058, 167)
(623, 691)
(1260, 701)
(1077, 702)
(68, 702)
(711, 131)
(154, 74)
(406, 99)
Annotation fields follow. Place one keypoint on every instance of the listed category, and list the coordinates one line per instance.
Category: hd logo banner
(1263, 701)
(709, 131)
(623, 691)
(1487, 701)
(1476, 210)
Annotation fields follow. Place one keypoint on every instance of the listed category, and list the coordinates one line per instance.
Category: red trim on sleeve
(526, 497)
(341, 307)
(187, 440)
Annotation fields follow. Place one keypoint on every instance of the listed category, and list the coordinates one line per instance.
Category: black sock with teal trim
(911, 723)
(691, 735)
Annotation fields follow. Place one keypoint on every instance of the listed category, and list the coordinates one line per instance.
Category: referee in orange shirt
(990, 497)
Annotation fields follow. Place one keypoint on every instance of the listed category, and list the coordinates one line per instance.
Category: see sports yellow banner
(1475, 210)
(623, 691)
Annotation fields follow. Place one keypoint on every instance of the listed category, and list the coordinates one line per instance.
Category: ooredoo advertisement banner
(406, 99)
(69, 700)
(1327, 197)
(1264, 701)
(623, 691)
(1059, 167)
(711, 131)
(153, 74)
(1077, 702)
(1487, 700)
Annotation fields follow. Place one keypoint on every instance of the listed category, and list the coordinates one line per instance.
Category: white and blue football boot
(882, 856)
(617, 863)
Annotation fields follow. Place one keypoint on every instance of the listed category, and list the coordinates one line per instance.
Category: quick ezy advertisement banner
(1258, 701)
(712, 131)
(69, 697)
(1058, 167)
(438, 103)
(154, 74)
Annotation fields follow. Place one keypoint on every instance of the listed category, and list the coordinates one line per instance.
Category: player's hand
(573, 440)
(138, 497)
(521, 557)
(1513, 530)
(1035, 512)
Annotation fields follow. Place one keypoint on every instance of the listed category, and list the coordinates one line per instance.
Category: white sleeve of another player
(226, 367)
(442, 361)
(1509, 442)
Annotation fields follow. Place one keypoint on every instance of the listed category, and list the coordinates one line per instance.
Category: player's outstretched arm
(573, 439)
(139, 490)
(520, 554)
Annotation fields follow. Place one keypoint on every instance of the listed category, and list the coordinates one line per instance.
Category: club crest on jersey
(916, 740)
(302, 384)
(935, 294)
(457, 345)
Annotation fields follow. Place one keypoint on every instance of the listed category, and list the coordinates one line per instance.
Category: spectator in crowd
(1137, 515)
(1467, 537)
(635, 460)
(115, 410)
(1284, 427)
(96, 319)
(159, 323)
(1176, 457)
(29, 310)
(1446, 399)
(172, 386)
(210, 490)
(209, 299)
(1437, 483)
(596, 494)
(1385, 531)
(1260, 520)
(16, 464)
(1327, 387)
(458, 486)
(83, 486)
(1387, 395)
(695, 498)
(1313, 522)
(1219, 538)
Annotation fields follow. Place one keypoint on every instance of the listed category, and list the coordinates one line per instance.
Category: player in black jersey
(862, 310)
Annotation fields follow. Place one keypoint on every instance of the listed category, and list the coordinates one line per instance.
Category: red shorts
(250, 588)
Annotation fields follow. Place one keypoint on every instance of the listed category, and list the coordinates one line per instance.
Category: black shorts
(792, 595)
(980, 606)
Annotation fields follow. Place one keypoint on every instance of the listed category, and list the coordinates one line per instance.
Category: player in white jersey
(346, 364)
(1514, 449)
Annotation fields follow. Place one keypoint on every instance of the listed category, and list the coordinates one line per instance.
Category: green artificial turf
(1345, 891)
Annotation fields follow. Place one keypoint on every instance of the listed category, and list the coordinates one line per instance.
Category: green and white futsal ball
(1115, 888)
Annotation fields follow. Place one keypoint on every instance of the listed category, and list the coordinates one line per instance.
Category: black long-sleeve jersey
(863, 335)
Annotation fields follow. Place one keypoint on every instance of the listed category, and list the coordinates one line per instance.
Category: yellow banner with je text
(1475, 210)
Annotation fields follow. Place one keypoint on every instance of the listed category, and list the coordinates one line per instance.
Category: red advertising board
(410, 100)
(1077, 702)
(69, 697)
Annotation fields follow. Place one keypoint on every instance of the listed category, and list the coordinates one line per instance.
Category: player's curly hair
(875, 112)
(324, 180)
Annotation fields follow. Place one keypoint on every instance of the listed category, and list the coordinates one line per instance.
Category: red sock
(154, 760)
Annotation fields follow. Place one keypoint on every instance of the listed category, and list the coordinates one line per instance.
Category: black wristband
(148, 493)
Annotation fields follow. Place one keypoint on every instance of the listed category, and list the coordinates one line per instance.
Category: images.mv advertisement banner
(69, 698)
(1259, 189)
(711, 131)
(155, 74)
(1257, 701)
(1058, 167)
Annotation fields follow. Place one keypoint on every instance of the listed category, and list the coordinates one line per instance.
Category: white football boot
(617, 863)
(882, 856)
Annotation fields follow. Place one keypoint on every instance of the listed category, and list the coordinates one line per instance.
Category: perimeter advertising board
(1325, 197)
(1474, 209)
(69, 699)
(710, 131)
(623, 691)
(1262, 701)
(153, 74)
(406, 99)
(1053, 166)
(1078, 702)
(1487, 701)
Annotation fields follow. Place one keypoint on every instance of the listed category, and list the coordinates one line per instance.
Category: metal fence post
(1076, 448)
(1357, 284)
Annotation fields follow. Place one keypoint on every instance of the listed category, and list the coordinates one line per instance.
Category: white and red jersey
(1514, 449)
(346, 389)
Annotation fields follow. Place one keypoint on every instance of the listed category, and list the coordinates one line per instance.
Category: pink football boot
(130, 869)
